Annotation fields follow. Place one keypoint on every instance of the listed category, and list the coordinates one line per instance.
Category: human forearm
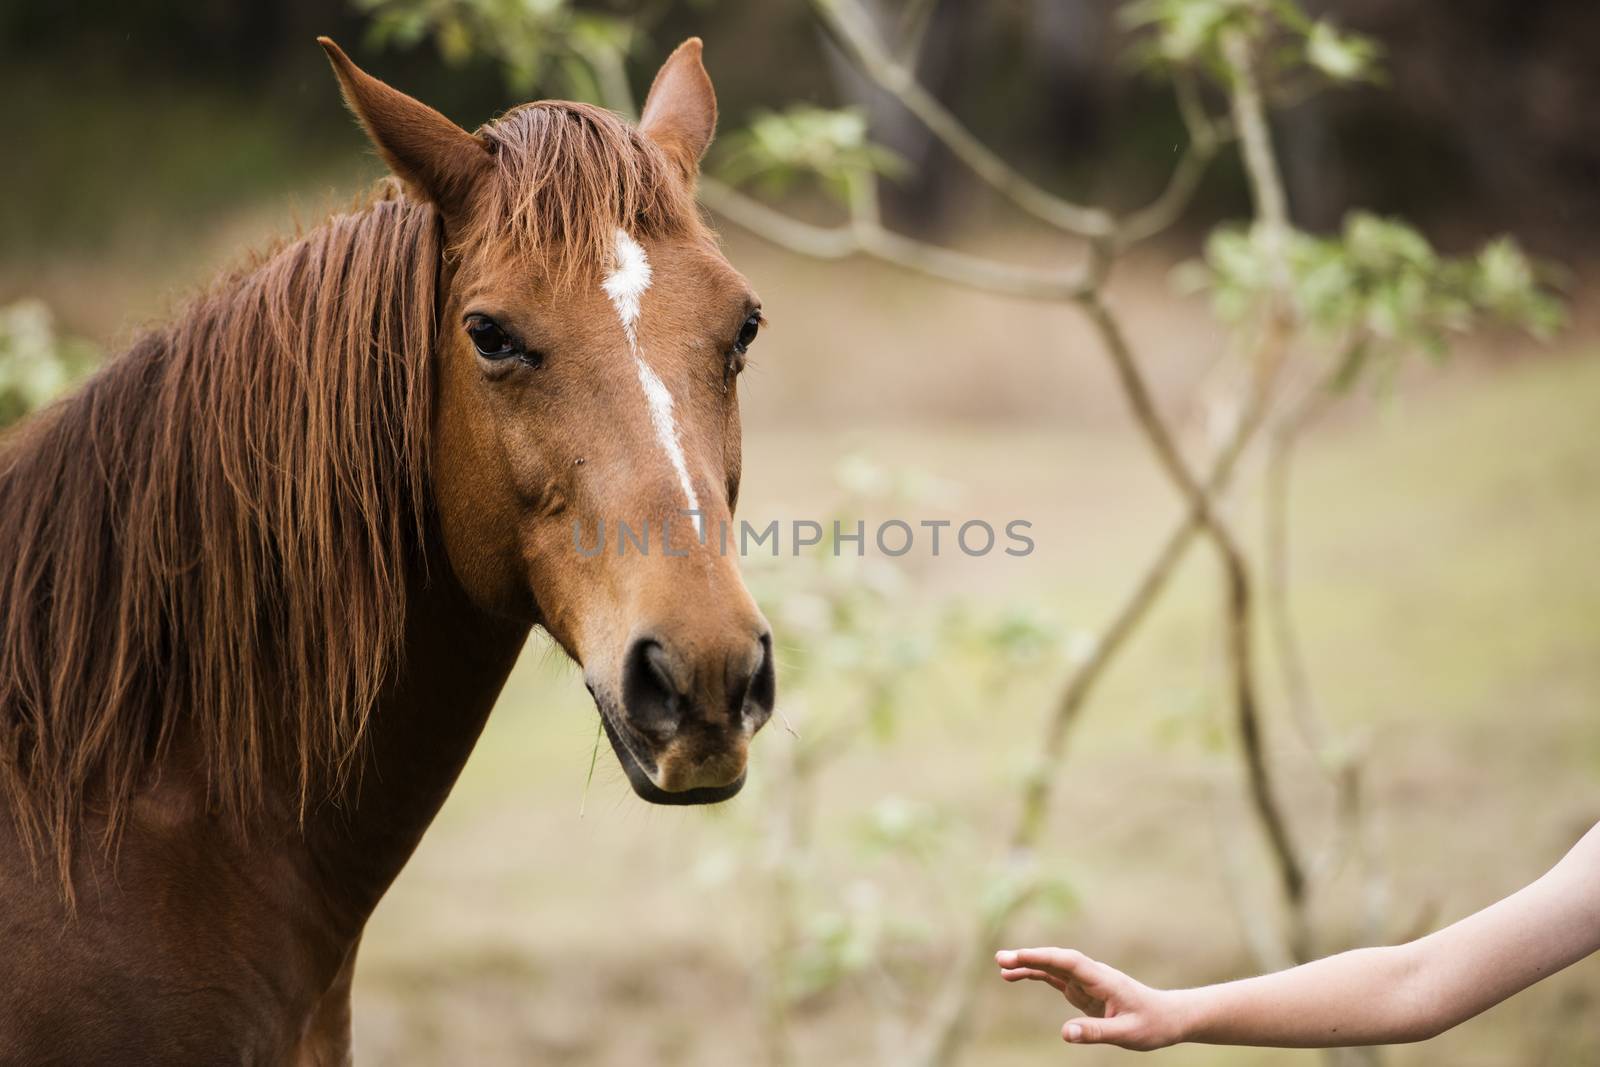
(1363, 997)
(1332, 1001)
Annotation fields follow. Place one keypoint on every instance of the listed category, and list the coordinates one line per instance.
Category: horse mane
(569, 176)
(211, 539)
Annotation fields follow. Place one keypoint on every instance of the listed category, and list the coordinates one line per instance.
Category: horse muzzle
(682, 726)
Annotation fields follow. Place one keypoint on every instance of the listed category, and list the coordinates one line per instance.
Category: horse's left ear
(680, 113)
(427, 151)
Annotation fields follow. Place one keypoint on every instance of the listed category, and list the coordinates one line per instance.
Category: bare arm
(1365, 997)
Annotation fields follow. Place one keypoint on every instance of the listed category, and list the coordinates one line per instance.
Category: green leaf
(779, 149)
(1380, 283)
(37, 364)
(1343, 57)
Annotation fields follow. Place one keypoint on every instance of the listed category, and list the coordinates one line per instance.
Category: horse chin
(654, 794)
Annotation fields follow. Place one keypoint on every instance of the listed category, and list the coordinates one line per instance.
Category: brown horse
(264, 575)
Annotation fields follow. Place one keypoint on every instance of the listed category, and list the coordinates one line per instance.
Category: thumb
(1117, 1030)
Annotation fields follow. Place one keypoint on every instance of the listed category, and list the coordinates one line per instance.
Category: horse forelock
(568, 176)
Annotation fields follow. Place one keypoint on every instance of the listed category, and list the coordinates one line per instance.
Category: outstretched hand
(1117, 1010)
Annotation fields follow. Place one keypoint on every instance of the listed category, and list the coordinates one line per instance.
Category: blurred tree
(37, 364)
(1489, 103)
(1447, 146)
(1311, 317)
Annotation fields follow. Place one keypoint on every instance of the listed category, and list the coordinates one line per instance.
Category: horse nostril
(660, 691)
(760, 688)
(656, 657)
(650, 695)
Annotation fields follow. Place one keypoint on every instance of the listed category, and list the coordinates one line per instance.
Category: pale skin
(1369, 996)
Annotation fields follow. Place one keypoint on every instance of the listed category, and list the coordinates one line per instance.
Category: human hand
(1118, 1010)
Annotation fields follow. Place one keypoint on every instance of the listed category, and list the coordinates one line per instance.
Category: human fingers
(1018, 974)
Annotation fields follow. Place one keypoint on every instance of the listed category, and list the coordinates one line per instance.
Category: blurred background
(1428, 594)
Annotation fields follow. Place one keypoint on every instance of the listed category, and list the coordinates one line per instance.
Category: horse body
(196, 942)
(271, 568)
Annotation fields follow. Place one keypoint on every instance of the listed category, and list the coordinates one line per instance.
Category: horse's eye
(747, 333)
(489, 339)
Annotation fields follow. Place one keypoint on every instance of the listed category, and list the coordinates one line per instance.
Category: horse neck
(421, 732)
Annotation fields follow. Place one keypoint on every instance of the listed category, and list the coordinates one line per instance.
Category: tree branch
(1260, 936)
(1272, 215)
(948, 1021)
(1165, 210)
(1206, 135)
(853, 30)
(1281, 445)
(801, 238)
(1255, 137)
(866, 236)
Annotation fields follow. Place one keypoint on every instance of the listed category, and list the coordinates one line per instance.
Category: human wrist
(1188, 1013)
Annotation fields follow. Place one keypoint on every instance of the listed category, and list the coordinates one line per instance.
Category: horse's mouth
(647, 790)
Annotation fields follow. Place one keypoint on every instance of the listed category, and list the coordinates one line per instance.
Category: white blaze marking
(626, 285)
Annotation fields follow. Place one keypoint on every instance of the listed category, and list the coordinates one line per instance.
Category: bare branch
(914, 22)
(1266, 948)
(866, 236)
(1146, 591)
(1291, 869)
(1281, 445)
(948, 1022)
(853, 30)
(801, 238)
(959, 268)
(1208, 131)
(1269, 811)
(1165, 210)
(1272, 216)
(1206, 135)
(1250, 118)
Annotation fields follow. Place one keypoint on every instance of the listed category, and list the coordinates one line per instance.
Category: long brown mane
(211, 535)
(211, 540)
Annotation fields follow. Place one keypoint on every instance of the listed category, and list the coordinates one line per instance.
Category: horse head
(585, 448)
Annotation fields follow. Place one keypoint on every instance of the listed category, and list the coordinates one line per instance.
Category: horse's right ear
(680, 111)
(427, 151)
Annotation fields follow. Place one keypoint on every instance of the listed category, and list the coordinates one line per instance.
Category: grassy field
(1446, 581)
(1450, 598)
